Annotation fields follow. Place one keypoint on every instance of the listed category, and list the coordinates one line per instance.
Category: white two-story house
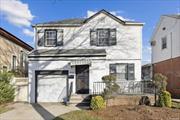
(79, 52)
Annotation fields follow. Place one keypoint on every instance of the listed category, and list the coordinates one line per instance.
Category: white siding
(129, 38)
(173, 42)
(97, 69)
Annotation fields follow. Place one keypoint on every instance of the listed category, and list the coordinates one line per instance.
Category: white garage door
(51, 88)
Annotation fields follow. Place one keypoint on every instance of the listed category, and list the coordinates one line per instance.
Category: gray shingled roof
(80, 21)
(68, 53)
(177, 16)
(67, 21)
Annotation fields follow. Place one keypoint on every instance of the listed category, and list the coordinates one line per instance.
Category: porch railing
(127, 87)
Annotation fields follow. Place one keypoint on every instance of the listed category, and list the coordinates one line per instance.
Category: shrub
(111, 86)
(6, 92)
(160, 81)
(98, 102)
(165, 99)
(6, 89)
(5, 77)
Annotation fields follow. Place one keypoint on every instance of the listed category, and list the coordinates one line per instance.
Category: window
(50, 38)
(103, 37)
(123, 71)
(13, 62)
(164, 42)
(22, 59)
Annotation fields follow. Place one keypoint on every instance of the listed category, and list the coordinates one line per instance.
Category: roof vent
(153, 43)
(164, 28)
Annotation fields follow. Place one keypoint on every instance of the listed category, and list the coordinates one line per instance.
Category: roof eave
(56, 25)
(134, 23)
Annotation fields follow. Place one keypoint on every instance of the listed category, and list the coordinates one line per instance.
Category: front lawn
(4, 108)
(77, 115)
(124, 113)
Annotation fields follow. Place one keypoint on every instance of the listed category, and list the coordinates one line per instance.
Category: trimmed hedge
(98, 102)
(165, 99)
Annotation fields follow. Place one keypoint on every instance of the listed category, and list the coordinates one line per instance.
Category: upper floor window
(164, 42)
(14, 60)
(22, 59)
(123, 71)
(50, 38)
(103, 37)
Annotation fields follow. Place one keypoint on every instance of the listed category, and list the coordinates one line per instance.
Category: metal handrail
(127, 87)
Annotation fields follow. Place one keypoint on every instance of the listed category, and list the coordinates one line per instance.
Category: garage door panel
(51, 88)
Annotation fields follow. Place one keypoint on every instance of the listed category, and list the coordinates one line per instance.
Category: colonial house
(13, 52)
(165, 44)
(72, 54)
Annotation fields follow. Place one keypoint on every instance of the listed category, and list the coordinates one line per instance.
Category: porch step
(80, 98)
(81, 101)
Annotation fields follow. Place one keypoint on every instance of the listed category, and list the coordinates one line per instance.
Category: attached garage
(51, 86)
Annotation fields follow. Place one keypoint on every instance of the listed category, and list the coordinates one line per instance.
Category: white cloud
(90, 13)
(28, 32)
(16, 12)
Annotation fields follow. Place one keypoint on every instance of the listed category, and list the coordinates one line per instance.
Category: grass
(176, 105)
(77, 115)
(4, 108)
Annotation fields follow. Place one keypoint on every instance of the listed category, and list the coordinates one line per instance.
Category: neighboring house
(147, 72)
(166, 51)
(13, 52)
(79, 52)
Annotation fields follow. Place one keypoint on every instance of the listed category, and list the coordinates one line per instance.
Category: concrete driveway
(44, 111)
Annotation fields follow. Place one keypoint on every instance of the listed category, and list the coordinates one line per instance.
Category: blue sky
(16, 16)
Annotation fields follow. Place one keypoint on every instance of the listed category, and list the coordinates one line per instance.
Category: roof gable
(106, 13)
(80, 21)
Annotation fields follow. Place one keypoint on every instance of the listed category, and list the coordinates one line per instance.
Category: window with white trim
(164, 42)
(14, 60)
(50, 38)
(103, 37)
(123, 71)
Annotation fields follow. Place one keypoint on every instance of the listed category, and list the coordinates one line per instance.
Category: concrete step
(81, 101)
(80, 97)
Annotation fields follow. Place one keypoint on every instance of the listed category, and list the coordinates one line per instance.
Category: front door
(82, 79)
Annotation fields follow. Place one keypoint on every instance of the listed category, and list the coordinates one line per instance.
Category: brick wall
(128, 100)
(171, 69)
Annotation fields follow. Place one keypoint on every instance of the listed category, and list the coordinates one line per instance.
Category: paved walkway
(176, 100)
(45, 111)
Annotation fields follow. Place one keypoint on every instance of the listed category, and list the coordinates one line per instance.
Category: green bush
(160, 81)
(111, 86)
(98, 102)
(6, 89)
(6, 92)
(5, 77)
(165, 99)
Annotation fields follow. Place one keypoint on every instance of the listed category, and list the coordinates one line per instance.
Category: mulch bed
(137, 113)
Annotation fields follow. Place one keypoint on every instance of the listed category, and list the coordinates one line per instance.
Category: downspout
(172, 69)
